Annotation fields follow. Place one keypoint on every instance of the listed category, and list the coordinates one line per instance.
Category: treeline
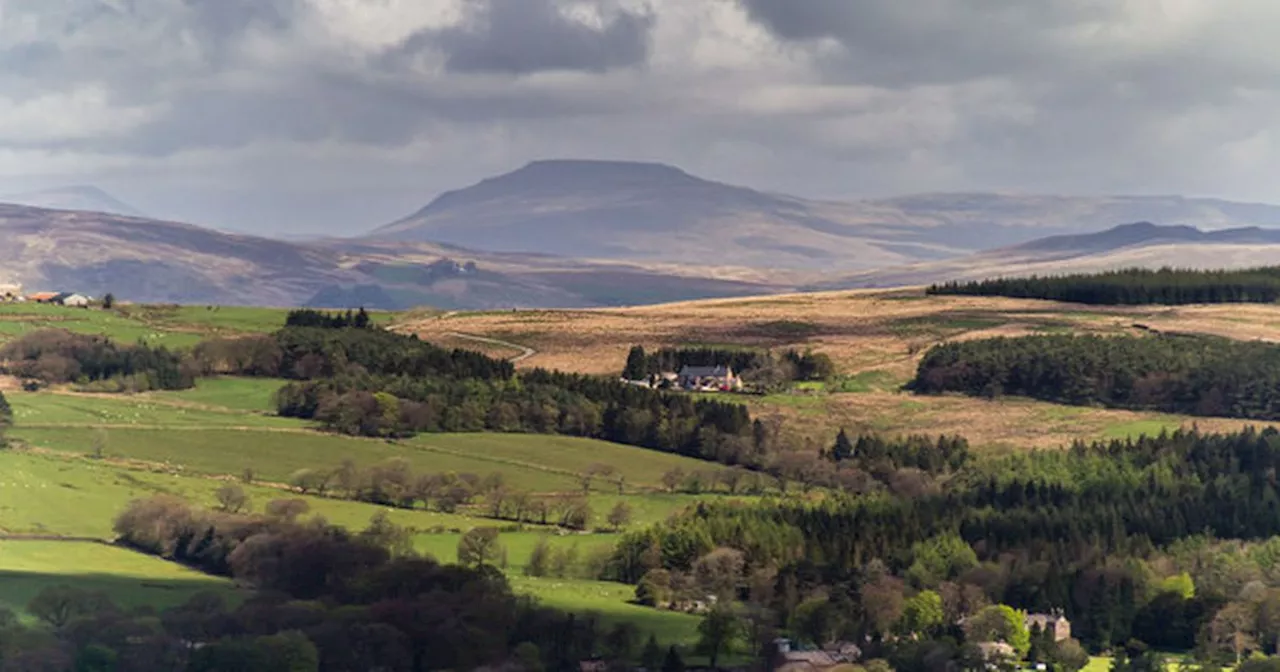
(372, 382)
(59, 356)
(1105, 531)
(307, 317)
(1133, 286)
(757, 366)
(535, 402)
(394, 483)
(1197, 375)
(326, 599)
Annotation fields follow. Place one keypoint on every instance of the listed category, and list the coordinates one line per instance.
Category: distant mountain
(652, 212)
(80, 197)
(645, 212)
(1141, 244)
(154, 261)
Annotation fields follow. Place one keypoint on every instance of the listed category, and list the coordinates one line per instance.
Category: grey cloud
(520, 37)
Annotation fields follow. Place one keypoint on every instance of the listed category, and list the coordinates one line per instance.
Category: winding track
(525, 351)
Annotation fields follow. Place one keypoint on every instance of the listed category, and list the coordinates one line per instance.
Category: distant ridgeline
(373, 382)
(1196, 375)
(1134, 286)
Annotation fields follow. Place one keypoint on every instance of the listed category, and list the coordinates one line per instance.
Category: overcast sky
(336, 116)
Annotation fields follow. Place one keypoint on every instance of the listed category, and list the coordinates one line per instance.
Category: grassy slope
(130, 579)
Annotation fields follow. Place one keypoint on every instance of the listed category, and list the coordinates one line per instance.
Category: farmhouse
(74, 300)
(1054, 623)
(61, 299)
(709, 378)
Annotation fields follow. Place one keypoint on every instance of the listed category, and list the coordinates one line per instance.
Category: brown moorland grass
(877, 332)
(860, 329)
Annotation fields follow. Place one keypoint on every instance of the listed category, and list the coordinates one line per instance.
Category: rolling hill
(154, 261)
(1141, 244)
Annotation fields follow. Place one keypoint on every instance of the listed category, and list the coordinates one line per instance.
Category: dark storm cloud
(521, 37)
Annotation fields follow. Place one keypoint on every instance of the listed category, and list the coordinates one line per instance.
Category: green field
(35, 410)
(239, 394)
(57, 495)
(611, 601)
(130, 579)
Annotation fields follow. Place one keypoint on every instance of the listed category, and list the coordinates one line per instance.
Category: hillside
(1141, 244)
(654, 212)
(79, 197)
(646, 212)
(155, 261)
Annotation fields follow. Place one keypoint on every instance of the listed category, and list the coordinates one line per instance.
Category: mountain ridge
(1138, 244)
(646, 212)
(79, 197)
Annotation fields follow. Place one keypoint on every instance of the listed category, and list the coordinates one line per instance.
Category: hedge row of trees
(60, 356)
(1179, 374)
(1105, 531)
(1133, 286)
(753, 365)
(306, 317)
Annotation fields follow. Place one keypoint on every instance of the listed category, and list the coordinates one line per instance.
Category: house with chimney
(708, 379)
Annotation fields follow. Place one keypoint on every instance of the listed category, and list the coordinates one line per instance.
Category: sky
(296, 117)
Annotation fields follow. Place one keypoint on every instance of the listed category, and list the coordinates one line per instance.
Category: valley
(77, 458)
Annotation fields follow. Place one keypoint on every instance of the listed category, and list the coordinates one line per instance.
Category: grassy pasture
(239, 394)
(53, 410)
(612, 602)
(130, 579)
(69, 496)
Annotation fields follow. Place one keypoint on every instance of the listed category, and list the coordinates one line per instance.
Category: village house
(73, 300)
(709, 379)
(837, 655)
(1055, 623)
(61, 299)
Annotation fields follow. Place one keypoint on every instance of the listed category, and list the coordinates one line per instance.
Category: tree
(922, 614)
(539, 559)
(108, 301)
(672, 662)
(232, 498)
(287, 509)
(651, 655)
(592, 471)
(620, 516)
(480, 547)
(6, 417)
(720, 572)
(672, 479)
(1000, 623)
(637, 364)
(383, 533)
(718, 631)
(1232, 629)
(58, 605)
(843, 448)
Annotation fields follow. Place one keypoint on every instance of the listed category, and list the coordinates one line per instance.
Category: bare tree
(673, 479)
(287, 509)
(592, 471)
(480, 547)
(620, 516)
(232, 498)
